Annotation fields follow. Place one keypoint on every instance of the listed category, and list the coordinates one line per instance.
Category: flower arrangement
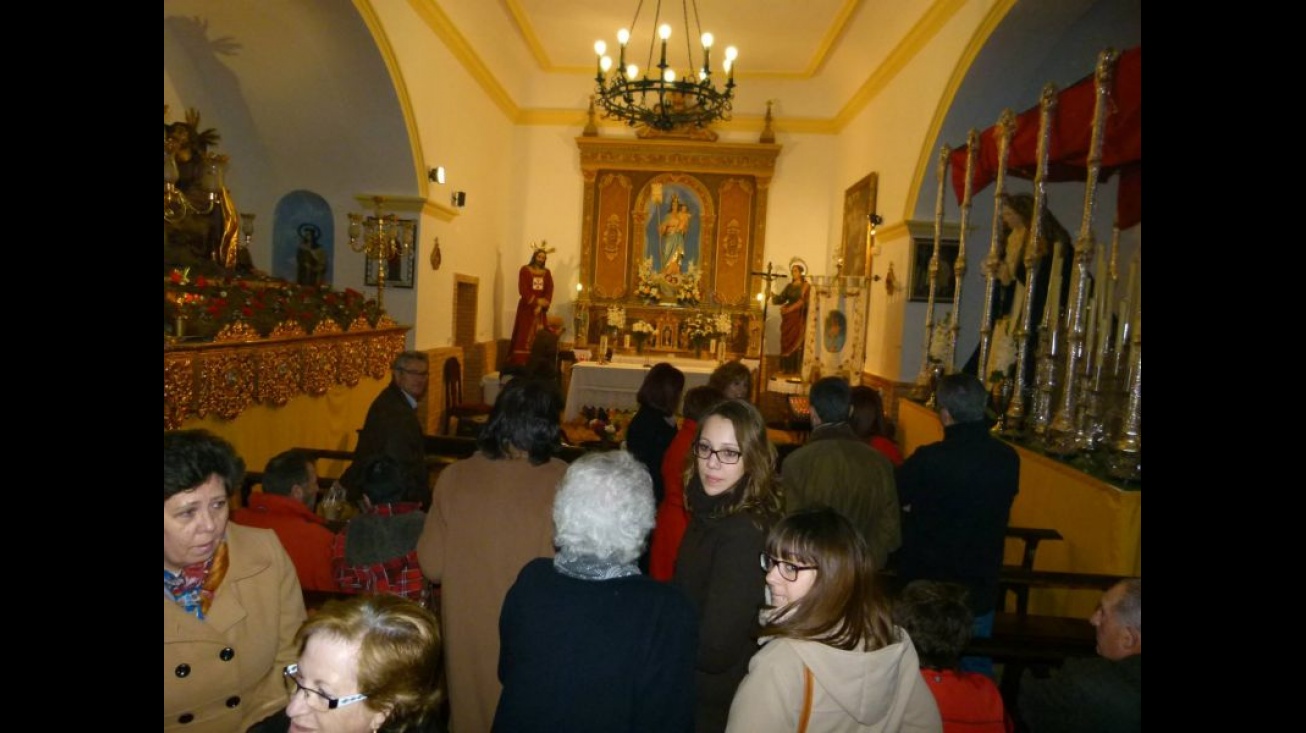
(209, 305)
(941, 341)
(700, 327)
(648, 289)
(642, 327)
(616, 318)
(687, 291)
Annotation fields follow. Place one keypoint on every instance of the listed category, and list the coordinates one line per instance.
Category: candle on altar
(627, 341)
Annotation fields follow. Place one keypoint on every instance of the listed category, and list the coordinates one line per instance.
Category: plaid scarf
(194, 586)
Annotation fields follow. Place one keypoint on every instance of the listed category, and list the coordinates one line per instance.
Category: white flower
(616, 317)
(641, 327)
(941, 341)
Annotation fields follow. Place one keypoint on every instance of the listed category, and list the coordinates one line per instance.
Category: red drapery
(1068, 143)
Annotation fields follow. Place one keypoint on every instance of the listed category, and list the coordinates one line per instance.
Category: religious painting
(673, 228)
(919, 288)
(399, 268)
(858, 205)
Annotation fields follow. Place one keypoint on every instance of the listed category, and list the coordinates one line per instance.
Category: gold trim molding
(225, 378)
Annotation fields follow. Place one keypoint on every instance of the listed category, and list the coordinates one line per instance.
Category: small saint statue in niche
(310, 257)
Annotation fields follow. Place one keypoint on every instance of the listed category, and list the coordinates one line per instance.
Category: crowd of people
(692, 582)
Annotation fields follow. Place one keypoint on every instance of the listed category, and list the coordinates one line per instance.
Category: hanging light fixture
(667, 100)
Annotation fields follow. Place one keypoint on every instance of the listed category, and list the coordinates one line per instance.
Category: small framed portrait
(919, 287)
(398, 272)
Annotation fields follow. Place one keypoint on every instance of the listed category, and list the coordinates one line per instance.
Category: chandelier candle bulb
(664, 99)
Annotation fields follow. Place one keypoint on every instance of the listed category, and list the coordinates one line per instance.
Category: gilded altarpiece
(690, 212)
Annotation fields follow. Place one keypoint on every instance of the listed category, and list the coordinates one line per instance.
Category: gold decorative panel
(733, 237)
(613, 254)
(223, 378)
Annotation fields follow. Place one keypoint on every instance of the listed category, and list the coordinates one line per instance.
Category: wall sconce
(436, 174)
(875, 220)
(458, 199)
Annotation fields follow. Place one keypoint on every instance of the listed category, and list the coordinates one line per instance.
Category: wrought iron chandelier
(665, 101)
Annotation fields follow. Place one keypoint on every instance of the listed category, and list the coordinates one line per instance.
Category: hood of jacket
(865, 684)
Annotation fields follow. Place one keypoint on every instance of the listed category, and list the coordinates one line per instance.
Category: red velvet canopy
(1068, 143)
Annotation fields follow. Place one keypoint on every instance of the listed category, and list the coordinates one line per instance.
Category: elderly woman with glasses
(588, 643)
(369, 663)
(732, 498)
(231, 600)
(832, 659)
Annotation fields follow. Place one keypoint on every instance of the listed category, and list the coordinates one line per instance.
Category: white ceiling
(784, 37)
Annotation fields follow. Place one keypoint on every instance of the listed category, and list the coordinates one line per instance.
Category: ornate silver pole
(959, 267)
(924, 379)
(1062, 439)
(1126, 463)
(1015, 416)
(1006, 126)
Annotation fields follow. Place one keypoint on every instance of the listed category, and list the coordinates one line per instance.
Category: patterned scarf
(587, 567)
(193, 588)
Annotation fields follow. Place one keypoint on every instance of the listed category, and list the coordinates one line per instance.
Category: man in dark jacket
(956, 498)
(839, 470)
(392, 428)
(1099, 693)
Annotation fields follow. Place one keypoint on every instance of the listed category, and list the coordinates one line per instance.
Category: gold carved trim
(678, 155)
(224, 378)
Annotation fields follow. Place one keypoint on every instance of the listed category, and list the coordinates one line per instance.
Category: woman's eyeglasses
(317, 699)
(725, 455)
(788, 570)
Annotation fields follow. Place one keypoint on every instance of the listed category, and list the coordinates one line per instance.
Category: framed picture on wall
(858, 205)
(399, 270)
(922, 250)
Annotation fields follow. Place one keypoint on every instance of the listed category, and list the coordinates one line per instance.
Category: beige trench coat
(223, 674)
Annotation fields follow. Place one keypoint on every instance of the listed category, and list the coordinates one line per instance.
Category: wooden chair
(470, 416)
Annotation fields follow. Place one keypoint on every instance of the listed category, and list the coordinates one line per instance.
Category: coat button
(233, 701)
(226, 654)
(183, 670)
(185, 718)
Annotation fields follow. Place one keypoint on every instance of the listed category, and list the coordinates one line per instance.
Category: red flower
(175, 277)
(200, 282)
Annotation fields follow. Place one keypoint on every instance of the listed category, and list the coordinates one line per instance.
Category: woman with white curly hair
(586, 642)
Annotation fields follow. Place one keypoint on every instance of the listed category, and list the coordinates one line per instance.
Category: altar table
(615, 384)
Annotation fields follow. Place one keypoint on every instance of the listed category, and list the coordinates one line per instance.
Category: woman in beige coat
(231, 600)
(490, 515)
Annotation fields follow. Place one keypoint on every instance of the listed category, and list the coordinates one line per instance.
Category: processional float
(1082, 398)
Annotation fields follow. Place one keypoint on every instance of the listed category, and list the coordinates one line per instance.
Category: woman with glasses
(732, 498)
(368, 663)
(832, 660)
(231, 599)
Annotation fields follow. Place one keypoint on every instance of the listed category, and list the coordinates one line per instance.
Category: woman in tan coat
(490, 515)
(231, 600)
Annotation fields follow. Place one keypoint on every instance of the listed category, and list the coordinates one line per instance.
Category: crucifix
(768, 276)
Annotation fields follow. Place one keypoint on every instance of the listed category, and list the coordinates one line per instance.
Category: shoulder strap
(807, 699)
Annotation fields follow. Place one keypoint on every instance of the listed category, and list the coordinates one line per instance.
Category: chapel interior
(468, 128)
